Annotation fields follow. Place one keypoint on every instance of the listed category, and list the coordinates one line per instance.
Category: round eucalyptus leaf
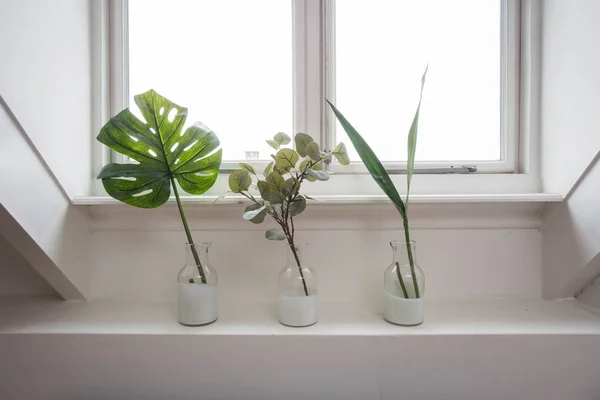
(276, 182)
(297, 206)
(281, 138)
(276, 197)
(291, 184)
(340, 154)
(273, 144)
(274, 234)
(263, 188)
(268, 169)
(302, 141)
(318, 175)
(286, 159)
(247, 167)
(313, 151)
(253, 213)
(315, 166)
(239, 181)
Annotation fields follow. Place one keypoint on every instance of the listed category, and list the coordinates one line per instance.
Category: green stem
(188, 233)
(411, 261)
(401, 280)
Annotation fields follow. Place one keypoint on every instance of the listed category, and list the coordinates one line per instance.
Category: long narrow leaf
(371, 161)
(412, 140)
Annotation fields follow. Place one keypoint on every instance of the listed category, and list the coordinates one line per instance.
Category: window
(251, 69)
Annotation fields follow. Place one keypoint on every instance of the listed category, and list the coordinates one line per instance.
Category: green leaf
(290, 184)
(274, 234)
(371, 161)
(260, 217)
(253, 211)
(239, 181)
(276, 182)
(162, 148)
(297, 206)
(315, 166)
(412, 140)
(341, 154)
(276, 197)
(263, 188)
(268, 169)
(313, 151)
(286, 159)
(273, 144)
(318, 175)
(302, 140)
(281, 138)
(247, 167)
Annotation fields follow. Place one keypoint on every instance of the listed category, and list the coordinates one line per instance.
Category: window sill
(353, 199)
(481, 317)
(330, 212)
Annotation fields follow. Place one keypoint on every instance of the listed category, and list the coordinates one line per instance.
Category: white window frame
(313, 80)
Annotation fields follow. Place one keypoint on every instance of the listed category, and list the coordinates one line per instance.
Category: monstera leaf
(163, 150)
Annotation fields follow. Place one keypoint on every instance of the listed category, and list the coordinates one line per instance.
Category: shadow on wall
(17, 276)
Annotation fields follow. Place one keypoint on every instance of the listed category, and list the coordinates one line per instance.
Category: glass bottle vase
(298, 290)
(404, 286)
(197, 299)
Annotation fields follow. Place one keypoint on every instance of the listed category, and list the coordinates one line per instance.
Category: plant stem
(188, 233)
(401, 280)
(295, 253)
(411, 261)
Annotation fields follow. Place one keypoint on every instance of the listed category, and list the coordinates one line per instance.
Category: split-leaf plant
(279, 191)
(161, 153)
(382, 178)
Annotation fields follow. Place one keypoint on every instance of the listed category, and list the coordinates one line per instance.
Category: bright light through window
(228, 61)
(382, 48)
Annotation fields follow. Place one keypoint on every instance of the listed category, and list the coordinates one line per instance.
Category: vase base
(202, 324)
(298, 326)
(405, 325)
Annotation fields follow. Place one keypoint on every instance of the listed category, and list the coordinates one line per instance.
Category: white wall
(296, 367)
(45, 78)
(571, 141)
(570, 91)
(17, 277)
(143, 250)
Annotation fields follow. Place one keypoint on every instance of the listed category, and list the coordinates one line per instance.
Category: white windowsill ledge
(481, 317)
(356, 199)
(330, 212)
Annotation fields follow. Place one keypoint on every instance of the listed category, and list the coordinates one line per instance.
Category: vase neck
(402, 252)
(297, 254)
(201, 251)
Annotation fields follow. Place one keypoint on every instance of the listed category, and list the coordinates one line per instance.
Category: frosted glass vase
(298, 291)
(197, 295)
(404, 287)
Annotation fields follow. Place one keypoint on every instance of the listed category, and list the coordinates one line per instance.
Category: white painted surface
(350, 263)
(37, 218)
(402, 311)
(467, 351)
(298, 310)
(571, 240)
(570, 91)
(570, 144)
(45, 77)
(197, 303)
(444, 318)
(17, 277)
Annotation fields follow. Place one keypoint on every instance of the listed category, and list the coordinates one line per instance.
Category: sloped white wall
(45, 78)
(571, 143)
(570, 93)
(17, 277)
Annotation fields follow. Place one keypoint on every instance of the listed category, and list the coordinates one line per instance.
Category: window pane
(382, 48)
(228, 61)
